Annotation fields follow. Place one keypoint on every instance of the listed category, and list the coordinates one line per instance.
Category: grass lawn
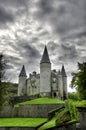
(21, 122)
(41, 101)
(80, 103)
(49, 124)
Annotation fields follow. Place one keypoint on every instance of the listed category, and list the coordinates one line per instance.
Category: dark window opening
(54, 94)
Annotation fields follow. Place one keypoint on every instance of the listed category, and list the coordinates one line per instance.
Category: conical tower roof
(23, 72)
(45, 57)
(63, 71)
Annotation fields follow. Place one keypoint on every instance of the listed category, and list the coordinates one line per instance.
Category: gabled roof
(63, 71)
(23, 72)
(45, 57)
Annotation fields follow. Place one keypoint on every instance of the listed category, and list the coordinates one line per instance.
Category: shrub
(70, 104)
(73, 96)
(62, 116)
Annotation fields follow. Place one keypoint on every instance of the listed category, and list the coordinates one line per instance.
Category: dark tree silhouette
(79, 80)
(2, 77)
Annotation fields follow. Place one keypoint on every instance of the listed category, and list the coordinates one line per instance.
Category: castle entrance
(54, 94)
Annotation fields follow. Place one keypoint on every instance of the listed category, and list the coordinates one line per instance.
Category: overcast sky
(26, 26)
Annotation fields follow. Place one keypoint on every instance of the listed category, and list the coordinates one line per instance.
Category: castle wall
(54, 89)
(22, 86)
(43, 84)
(60, 86)
(64, 79)
(45, 79)
(30, 111)
(33, 85)
(54, 86)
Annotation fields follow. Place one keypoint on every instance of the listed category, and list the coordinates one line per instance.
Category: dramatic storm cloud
(26, 26)
(66, 17)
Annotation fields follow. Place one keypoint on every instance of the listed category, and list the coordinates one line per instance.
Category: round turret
(22, 82)
(60, 85)
(64, 79)
(45, 74)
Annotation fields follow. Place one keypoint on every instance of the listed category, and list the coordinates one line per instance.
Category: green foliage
(6, 88)
(72, 107)
(2, 67)
(27, 122)
(62, 116)
(2, 77)
(79, 80)
(41, 101)
(50, 124)
(70, 104)
(73, 96)
(1, 95)
(80, 103)
(53, 112)
(9, 90)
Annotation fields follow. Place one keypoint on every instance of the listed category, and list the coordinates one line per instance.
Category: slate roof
(45, 57)
(63, 71)
(23, 72)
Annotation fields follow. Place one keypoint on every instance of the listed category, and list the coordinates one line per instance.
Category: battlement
(34, 74)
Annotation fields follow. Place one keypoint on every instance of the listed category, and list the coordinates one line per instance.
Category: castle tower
(64, 79)
(45, 74)
(22, 82)
(60, 85)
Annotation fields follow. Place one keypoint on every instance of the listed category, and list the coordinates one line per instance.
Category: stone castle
(48, 83)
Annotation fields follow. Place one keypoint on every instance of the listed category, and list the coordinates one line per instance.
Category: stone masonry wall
(45, 79)
(82, 113)
(35, 110)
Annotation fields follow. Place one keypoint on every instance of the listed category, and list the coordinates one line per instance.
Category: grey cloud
(53, 47)
(12, 68)
(81, 34)
(44, 33)
(5, 16)
(12, 10)
(31, 52)
(39, 28)
(64, 16)
(13, 3)
(68, 53)
(28, 54)
(45, 7)
(13, 61)
(34, 40)
(9, 66)
(64, 19)
(63, 53)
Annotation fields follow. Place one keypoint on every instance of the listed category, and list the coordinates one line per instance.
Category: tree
(79, 80)
(2, 77)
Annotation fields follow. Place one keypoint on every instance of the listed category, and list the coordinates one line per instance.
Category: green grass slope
(41, 101)
(21, 122)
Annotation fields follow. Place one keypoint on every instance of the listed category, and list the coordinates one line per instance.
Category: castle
(47, 83)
